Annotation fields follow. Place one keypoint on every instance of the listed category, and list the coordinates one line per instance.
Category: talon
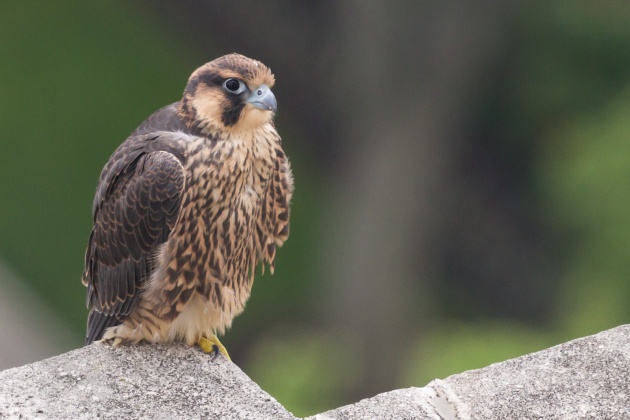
(212, 345)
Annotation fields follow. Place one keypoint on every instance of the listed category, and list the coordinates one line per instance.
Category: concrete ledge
(584, 378)
(588, 378)
(134, 382)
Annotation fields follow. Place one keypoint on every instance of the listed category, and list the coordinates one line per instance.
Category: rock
(584, 378)
(430, 402)
(134, 382)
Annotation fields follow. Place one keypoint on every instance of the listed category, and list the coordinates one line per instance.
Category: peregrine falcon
(185, 210)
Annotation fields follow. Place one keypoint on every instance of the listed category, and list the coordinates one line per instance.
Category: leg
(212, 344)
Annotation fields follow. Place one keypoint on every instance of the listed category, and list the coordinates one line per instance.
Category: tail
(97, 323)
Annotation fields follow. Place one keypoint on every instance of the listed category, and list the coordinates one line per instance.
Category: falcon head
(231, 93)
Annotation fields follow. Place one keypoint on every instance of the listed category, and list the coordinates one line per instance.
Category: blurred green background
(462, 176)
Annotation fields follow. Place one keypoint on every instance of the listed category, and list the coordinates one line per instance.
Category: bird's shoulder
(166, 119)
(163, 131)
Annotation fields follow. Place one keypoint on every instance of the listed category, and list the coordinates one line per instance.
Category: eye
(234, 86)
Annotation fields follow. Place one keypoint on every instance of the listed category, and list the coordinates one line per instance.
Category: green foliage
(586, 167)
(566, 101)
(74, 87)
(66, 103)
(456, 347)
(306, 371)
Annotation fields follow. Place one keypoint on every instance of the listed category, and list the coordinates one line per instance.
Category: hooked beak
(262, 98)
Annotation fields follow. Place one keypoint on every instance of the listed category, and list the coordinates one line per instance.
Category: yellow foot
(213, 345)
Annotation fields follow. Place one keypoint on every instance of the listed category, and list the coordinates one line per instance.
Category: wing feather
(136, 206)
(273, 223)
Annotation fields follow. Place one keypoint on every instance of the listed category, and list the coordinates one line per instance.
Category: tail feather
(97, 324)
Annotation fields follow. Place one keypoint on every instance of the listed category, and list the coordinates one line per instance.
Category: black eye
(234, 86)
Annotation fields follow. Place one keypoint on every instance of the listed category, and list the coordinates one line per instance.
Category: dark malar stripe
(233, 114)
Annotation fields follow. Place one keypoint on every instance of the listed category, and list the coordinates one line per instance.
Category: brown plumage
(186, 208)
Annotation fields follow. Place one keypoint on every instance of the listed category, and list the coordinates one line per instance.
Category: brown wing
(273, 223)
(136, 207)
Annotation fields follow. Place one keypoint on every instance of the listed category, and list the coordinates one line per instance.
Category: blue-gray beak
(262, 97)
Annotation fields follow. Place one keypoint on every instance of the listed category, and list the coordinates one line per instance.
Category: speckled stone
(134, 382)
(588, 378)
